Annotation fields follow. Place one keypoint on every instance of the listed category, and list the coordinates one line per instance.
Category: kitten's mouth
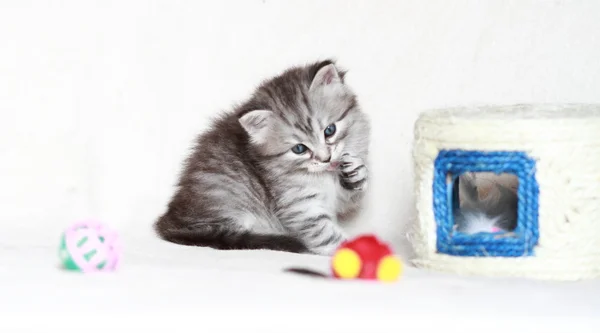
(324, 167)
(333, 166)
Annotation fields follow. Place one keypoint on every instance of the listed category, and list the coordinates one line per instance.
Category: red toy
(366, 257)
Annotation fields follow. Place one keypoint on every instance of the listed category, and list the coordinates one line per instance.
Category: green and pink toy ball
(89, 246)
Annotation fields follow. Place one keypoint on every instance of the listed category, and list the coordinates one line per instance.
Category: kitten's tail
(220, 237)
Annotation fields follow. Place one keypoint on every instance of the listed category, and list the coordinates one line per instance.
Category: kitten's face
(308, 125)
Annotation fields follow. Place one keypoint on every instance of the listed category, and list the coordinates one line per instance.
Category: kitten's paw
(354, 173)
(325, 250)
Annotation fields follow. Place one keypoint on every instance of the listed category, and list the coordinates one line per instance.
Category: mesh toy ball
(89, 246)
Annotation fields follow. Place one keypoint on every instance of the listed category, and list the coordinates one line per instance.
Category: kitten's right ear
(256, 124)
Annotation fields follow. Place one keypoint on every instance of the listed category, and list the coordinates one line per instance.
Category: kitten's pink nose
(323, 158)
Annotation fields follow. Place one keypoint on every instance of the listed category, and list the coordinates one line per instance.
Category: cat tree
(554, 150)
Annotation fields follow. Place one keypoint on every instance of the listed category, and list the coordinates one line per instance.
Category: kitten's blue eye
(299, 149)
(330, 130)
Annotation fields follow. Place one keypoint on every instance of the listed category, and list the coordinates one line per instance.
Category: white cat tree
(554, 150)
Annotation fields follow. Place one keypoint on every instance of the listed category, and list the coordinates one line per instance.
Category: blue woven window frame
(457, 162)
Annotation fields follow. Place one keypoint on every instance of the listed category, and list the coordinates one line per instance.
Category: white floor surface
(162, 285)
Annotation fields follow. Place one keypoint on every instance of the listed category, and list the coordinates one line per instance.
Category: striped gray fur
(243, 187)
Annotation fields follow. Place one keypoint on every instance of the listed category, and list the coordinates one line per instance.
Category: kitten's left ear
(256, 124)
(325, 76)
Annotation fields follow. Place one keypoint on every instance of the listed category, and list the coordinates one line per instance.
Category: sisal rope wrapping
(564, 140)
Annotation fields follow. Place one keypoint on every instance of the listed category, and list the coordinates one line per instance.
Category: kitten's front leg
(353, 180)
(354, 173)
(321, 234)
(314, 223)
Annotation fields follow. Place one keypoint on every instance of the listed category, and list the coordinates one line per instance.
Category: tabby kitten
(280, 172)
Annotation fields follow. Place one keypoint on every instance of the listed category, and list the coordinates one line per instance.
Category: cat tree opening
(484, 202)
(515, 239)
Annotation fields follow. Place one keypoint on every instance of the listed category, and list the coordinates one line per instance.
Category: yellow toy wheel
(389, 269)
(346, 264)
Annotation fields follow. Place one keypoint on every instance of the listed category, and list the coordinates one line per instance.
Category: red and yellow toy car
(366, 257)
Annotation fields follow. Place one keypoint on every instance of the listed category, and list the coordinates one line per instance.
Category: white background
(100, 100)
